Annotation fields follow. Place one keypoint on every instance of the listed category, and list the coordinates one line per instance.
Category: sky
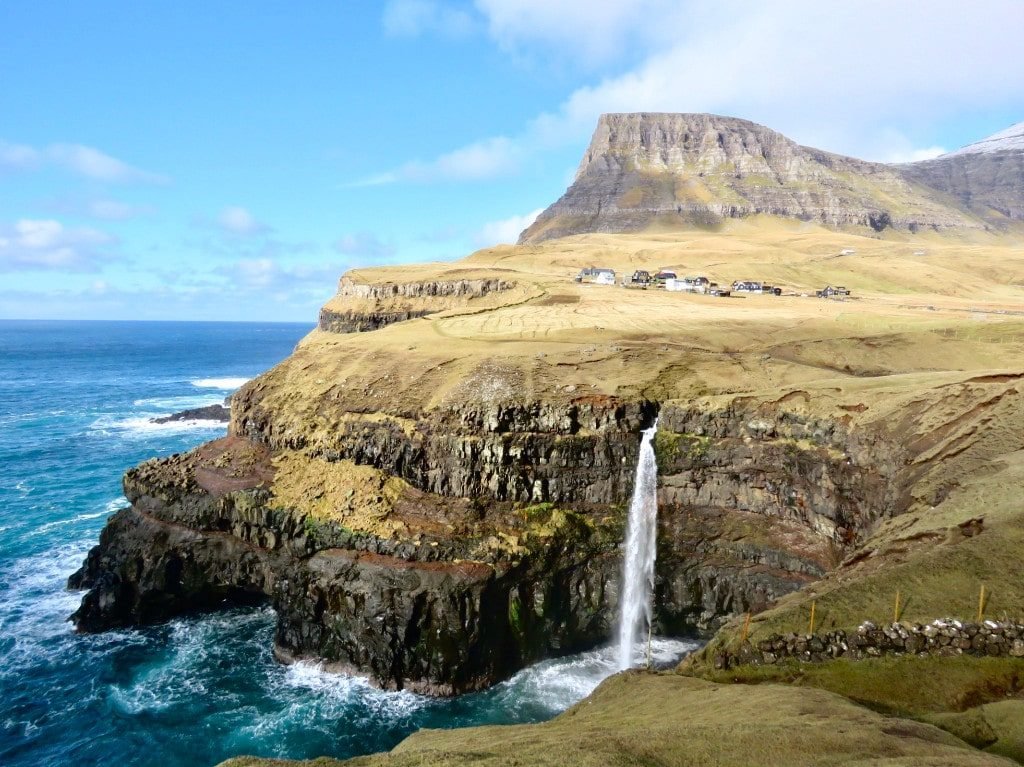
(229, 161)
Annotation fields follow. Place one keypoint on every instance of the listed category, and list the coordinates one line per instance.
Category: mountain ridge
(985, 178)
(678, 169)
(1010, 139)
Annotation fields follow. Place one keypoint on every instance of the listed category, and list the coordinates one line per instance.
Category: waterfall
(637, 586)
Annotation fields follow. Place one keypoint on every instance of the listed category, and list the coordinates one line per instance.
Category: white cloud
(46, 244)
(235, 219)
(104, 208)
(259, 272)
(835, 76)
(377, 179)
(590, 32)
(77, 158)
(486, 159)
(17, 156)
(412, 18)
(92, 163)
(913, 155)
(506, 230)
(280, 281)
(364, 244)
(482, 159)
(115, 210)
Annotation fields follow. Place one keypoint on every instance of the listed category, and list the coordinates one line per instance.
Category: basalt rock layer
(498, 545)
(989, 184)
(357, 308)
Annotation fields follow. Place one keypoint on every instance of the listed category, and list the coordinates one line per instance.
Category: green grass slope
(665, 719)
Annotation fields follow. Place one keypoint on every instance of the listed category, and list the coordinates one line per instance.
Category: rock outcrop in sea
(215, 412)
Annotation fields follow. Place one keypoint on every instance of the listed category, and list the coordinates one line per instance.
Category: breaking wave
(142, 426)
(225, 384)
(549, 687)
(175, 404)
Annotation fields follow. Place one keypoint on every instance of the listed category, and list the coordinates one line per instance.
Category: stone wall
(941, 637)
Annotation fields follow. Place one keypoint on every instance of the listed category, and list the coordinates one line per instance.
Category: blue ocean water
(76, 399)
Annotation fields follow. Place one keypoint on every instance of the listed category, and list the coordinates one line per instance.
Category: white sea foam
(115, 505)
(345, 689)
(226, 383)
(108, 508)
(36, 603)
(143, 426)
(556, 684)
(176, 404)
(312, 700)
(180, 676)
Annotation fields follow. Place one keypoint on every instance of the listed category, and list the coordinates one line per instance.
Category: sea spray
(638, 562)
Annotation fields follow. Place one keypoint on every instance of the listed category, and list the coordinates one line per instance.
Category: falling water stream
(638, 569)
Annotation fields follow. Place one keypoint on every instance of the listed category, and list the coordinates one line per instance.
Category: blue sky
(230, 160)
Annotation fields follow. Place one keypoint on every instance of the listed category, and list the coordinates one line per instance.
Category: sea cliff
(430, 490)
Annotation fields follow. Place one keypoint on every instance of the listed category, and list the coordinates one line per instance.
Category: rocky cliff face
(359, 307)
(498, 545)
(681, 170)
(987, 177)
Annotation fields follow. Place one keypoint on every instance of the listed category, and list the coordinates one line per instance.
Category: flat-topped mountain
(679, 170)
(986, 177)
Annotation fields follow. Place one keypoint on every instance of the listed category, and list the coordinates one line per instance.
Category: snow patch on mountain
(1011, 139)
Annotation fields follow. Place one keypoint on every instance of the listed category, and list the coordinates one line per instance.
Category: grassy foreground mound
(997, 727)
(665, 719)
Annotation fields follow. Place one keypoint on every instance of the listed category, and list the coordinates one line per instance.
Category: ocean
(76, 403)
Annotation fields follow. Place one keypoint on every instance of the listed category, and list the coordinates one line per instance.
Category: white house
(596, 276)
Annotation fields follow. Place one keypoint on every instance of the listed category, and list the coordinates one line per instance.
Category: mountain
(986, 178)
(1009, 140)
(676, 170)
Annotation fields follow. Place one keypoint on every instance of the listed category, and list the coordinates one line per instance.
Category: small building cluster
(596, 276)
(670, 281)
(752, 286)
(691, 285)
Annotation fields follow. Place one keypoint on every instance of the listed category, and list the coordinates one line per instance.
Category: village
(671, 282)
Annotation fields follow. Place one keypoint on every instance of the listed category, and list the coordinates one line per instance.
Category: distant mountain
(1009, 140)
(682, 170)
(986, 178)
